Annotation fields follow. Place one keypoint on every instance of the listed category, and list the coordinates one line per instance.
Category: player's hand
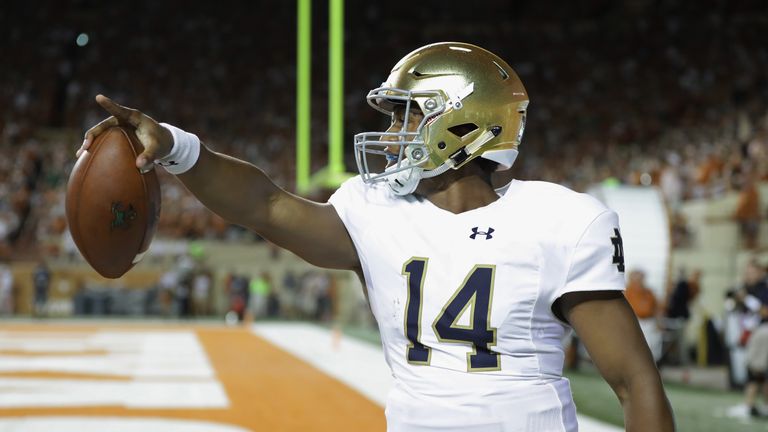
(157, 140)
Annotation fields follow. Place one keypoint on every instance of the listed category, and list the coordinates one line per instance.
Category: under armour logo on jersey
(618, 250)
(476, 232)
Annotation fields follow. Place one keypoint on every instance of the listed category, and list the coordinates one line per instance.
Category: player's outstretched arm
(606, 325)
(243, 194)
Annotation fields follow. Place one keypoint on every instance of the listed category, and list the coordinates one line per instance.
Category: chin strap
(464, 153)
(405, 182)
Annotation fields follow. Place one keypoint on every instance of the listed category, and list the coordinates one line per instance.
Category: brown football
(112, 209)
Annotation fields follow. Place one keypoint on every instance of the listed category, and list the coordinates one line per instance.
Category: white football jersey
(463, 301)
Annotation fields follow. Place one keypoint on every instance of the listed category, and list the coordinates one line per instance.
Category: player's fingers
(124, 114)
(146, 160)
(145, 168)
(95, 131)
(157, 142)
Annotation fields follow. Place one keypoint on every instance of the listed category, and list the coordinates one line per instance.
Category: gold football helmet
(473, 105)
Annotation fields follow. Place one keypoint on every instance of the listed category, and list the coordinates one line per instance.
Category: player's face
(398, 119)
(401, 123)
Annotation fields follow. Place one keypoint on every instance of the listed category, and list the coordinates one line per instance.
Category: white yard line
(113, 424)
(360, 365)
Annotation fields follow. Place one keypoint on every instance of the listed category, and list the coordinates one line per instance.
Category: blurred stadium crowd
(673, 94)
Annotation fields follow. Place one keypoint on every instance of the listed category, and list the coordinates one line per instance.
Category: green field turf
(696, 410)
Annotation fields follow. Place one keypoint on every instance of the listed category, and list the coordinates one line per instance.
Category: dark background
(618, 89)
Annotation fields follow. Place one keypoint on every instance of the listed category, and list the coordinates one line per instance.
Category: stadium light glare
(82, 39)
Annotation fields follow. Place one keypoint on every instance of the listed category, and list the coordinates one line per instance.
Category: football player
(473, 288)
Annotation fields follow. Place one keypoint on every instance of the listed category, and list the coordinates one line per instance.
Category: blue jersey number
(414, 269)
(474, 294)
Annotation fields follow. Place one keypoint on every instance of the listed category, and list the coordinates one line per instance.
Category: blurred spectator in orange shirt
(709, 168)
(642, 299)
(747, 213)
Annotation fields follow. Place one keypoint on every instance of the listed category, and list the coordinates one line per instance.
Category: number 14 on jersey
(475, 294)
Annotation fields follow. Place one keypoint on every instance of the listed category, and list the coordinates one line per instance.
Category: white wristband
(185, 151)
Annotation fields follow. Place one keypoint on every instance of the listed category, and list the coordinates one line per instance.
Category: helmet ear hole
(463, 130)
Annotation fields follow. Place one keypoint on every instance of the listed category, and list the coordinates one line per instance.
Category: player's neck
(463, 194)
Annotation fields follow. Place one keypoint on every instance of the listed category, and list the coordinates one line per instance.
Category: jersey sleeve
(597, 262)
(350, 203)
(341, 201)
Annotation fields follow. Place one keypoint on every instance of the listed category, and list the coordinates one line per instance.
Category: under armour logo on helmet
(487, 234)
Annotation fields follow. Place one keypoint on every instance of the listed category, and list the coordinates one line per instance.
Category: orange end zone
(267, 388)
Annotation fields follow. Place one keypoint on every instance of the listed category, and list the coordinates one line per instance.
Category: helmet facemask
(405, 150)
